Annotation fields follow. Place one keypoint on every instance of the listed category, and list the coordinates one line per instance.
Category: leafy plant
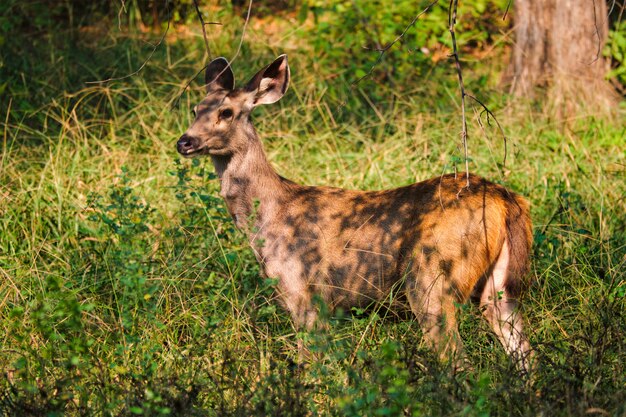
(350, 36)
(615, 49)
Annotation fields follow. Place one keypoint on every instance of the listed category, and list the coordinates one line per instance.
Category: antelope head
(222, 125)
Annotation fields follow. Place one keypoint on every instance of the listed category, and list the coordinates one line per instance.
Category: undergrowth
(125, 288)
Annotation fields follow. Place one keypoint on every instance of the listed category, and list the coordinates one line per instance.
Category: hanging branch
(142, 66)
(384, 49)
(506, 11)
(119, 14)
(452, 16)
(490, 114)
(596, 31)
(451, 22)
(202, 24)
(243, 35)
(187, 84)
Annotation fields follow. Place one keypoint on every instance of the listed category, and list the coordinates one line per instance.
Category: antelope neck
(246, 176)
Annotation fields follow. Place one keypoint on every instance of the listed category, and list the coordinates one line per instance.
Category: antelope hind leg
(501, 311)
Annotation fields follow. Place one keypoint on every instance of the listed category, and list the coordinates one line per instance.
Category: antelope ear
(270, 84)
(219, 75)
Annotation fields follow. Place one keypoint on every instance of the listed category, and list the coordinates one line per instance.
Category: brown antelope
(441, 241)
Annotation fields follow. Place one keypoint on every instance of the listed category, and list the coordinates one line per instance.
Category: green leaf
(359, 73)
(303, 13)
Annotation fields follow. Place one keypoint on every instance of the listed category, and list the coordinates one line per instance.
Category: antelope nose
(185, 144)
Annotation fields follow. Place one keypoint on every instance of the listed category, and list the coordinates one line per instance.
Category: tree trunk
(559, 48)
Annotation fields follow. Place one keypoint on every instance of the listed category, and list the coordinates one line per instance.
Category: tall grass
(126, 290)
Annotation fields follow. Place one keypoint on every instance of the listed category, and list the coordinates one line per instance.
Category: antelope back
(355, 246)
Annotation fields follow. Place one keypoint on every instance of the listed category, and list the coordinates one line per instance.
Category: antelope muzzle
(188, 145)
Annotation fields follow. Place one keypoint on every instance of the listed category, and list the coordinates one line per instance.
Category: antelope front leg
(434, 308)
(300, 306)
(304, 316)
(294, 292)
(295, 296)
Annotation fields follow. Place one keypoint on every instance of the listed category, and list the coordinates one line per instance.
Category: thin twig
(597, 33)
(490, 113)
(206, 41)
(620, 16)
(618, 21)
(451, 22)
(187, 84)
(369, 29)
(119, 14)
(597, 29)
(383, 50)
(372, 32)
(506, 11)
(169, 17)
(243, 35)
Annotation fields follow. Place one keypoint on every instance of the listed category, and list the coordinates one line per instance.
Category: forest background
(126, 290)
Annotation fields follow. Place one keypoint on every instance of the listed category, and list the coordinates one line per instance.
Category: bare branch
(119, 14)
(243, 35)
(369, 28)
(506, 11)
(169, 17)
(490, 114)
(455, 54)
(206, 41)
(608, 16)
(622, 8)
(180, 95)
(596, 33)
(383, 50)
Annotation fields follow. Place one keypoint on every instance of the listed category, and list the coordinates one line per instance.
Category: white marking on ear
(265, 84)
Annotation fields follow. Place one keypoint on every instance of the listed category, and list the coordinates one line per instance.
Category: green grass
(126, 290)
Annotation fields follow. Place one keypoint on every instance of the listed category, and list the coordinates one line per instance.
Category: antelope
(441, 241)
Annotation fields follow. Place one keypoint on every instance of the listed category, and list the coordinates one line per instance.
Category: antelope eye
(226, 114)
